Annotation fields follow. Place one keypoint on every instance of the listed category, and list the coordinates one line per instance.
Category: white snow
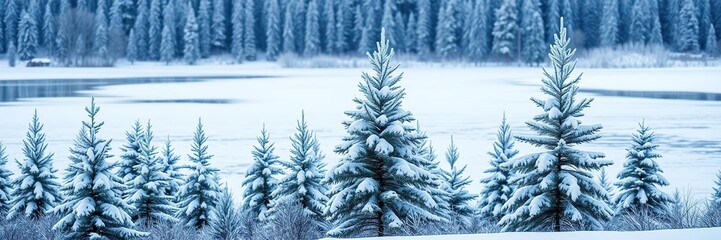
(467, 102)
(677, 234)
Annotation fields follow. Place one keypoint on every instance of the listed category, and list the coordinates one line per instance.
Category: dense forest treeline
(98, 32)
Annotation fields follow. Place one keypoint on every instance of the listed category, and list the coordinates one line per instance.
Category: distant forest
(98, 32)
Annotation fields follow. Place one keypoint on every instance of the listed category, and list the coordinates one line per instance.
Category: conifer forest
(379, 119)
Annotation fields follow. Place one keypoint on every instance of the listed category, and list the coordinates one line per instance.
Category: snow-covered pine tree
(591, 20)
(411, 34)
(342, 25)
(609, 23)
(191, 44)
(260, 178)
(132, 50)
(273, 31)
(155, 29)
(116, 33)
(204, 27)
(446, 39)
(424, 27)
(49, 29)
(249, 47)
(379, 181)
(388, 21)
(654, 29)
(2, 29)
(400, 32)
(167, 45)
(478, 42)
(330, 28)
(200, 192)
(11, 22)
(169, 20)
(497, 187)
(533, 45)
(302, 181)
(12, 51)
(639, 180)
(236, 44)
(711, 41)
(227, 222)
(130, 158)
(688, 28)
(140, 39)
(36, 190)
(147, 191)
(439, 193)
(704, 20)
(366, 38)
(218, 25)
(27, 37)
(553, 13)
(100, 43)
(5, 182)
(556, 187)
(93, 207)
(171, 167)
(288, 29)
(312, 30)
(357, 29)
(459, 201)
(505, 30)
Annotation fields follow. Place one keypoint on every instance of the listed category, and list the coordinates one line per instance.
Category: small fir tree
(36, 190)
(260, 178)
(456, 185)
(639, 180)
(497, 187)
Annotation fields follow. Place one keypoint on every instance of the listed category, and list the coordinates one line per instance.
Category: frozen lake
(683, 106)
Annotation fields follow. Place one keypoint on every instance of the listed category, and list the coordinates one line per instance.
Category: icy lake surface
(683, 106)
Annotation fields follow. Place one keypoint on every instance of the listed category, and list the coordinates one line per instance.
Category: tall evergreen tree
(312, 30)
(302, 183)
(379, 181)
(639, 31)
(49, 29)
(609, 23)
(688, 28)
(456, 185)
(446, 39)
(557, 186)
(388, 21)
(711, 41)
(100, 44)
(5, 182)
(655, 35)
(2, 28)
(12, 51)
(260, 178)
(497, 187)
(532, 31)
(35, 10)
(424, 27)
(132, 50)
(204, 27)
(93, 207)
(592, 16)
(411, 38)
(218, 25)
(140, 39)
(116, 33)
(249, 46)
(199, 195)
(505, 30)
(273, 31)
(191, 44)
(288, 29)
(171, 167)
(147, 191)
(11, 22)
(236, 44)
(330, 26)
(167, 45)
(27, 37)
(155, 29)
(640, 179)
(342, 26)
(36, 189)
(400, 32)
(553, 13)
(478, 42)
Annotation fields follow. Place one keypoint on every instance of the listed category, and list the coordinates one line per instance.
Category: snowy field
(465, 102)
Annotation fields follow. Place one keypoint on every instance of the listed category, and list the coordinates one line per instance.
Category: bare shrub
(23, 228)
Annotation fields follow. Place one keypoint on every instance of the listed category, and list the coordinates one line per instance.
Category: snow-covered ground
(677, 234)
(464, 102)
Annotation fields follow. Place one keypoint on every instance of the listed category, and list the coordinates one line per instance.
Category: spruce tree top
(557, 185)
(380, 179)
(640, 177)
(260, 181)
(497, 187)
(36, 188)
